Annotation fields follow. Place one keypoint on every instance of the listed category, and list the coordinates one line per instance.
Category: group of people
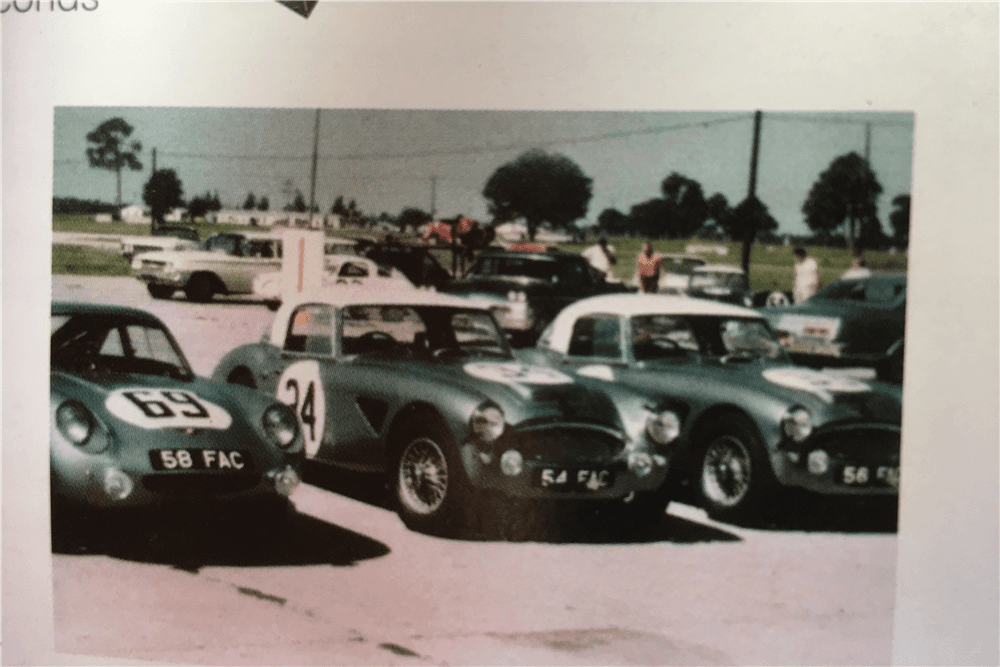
(602, 257)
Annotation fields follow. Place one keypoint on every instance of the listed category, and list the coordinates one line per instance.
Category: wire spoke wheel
(423, 477)
(726, 471)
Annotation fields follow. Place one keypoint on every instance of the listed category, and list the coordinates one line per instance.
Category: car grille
(564, 444)
(153, 265)
(872, 445)
(200, 483)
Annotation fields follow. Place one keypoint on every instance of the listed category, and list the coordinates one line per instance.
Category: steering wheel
(375, 338)
(442, 351)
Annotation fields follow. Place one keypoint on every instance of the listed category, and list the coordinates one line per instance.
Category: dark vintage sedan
(132, 427)
(423, 389)
(527, 289)
(755, 422)
(853, 322)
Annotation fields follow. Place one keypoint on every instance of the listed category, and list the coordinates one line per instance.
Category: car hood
(496, 285)
(830, 396)
(526, 392)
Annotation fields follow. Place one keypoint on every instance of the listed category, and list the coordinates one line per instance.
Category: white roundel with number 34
(301, 388)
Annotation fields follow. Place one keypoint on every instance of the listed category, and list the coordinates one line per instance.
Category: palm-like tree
(111, 149)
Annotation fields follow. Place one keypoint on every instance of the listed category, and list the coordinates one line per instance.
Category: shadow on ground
(301, 540)
(815, 513)
(519, 522)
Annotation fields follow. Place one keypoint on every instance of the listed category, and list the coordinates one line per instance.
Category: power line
(840, 121)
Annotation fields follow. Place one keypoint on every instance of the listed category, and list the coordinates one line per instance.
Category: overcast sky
(385, 159)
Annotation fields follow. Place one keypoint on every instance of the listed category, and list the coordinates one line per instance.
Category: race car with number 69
(133, 428)
(423, 388)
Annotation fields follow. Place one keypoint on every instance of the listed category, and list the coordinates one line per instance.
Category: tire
(777, 299)
(432, 493)
(242, 377)
(734, 475)
(200, 288)
(160, 291)
(273, 304)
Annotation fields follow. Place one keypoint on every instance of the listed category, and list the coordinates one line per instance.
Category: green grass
(70, 260)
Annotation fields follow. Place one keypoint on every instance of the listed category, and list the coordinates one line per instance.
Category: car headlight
(77, 424)
(797, 424)
(664, 427)
(516, 296)
(486, 423)
(280, 425)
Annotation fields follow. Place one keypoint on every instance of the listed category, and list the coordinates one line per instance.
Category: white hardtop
(718, 268)
(344, 296)
(631, 305)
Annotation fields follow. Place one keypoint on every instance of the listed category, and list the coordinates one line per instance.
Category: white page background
(937, 60)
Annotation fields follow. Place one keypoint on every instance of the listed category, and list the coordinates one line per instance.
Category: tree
(649, 218)
(161, 193)
(199, 206)
(112, 150)
(539, 187)
(250, 203)
(749, 218)
(899, 218)
(721, 216)
(338, 207)
(847, 192)
(298, 204)
(264, 204)
(412, 218)
(686, 210)
(613, 222)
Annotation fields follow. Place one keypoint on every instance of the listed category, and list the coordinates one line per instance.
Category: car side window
(596, 336)
(353, 270)
(310, 330)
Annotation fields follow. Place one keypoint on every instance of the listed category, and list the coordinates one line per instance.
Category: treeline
(74, 206)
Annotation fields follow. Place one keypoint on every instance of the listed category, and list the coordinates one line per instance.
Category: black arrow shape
(303, 7)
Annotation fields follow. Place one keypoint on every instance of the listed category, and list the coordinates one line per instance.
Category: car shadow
(301, 540)
(562, 526)
(795, 511)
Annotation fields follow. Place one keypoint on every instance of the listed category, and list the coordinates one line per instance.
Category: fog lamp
(286, 480)
(511, 462)
(641, 463)
(818, 462)
(117, 484)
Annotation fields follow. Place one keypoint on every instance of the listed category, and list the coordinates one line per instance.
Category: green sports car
(423, 388)
(132, 427)
(755, 422)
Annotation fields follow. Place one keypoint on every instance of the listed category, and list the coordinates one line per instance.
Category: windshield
(115, 344)
(876, 292)
(668, 336)
(721, 279)
(421, 332)
(526, 267)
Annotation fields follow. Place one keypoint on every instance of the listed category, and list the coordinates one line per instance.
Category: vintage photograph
(388, 386)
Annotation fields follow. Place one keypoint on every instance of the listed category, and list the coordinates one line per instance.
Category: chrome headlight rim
(487, 423)
(797, 424)
(663, 427)
(280, 425)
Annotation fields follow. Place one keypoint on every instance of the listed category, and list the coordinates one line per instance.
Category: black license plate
(200, 459)
(573, 479)
(864, 475)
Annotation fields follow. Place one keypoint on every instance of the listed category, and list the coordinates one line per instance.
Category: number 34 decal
(301, 388)
(154, 408)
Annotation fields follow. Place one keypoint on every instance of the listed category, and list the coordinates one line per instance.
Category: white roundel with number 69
(301, 388)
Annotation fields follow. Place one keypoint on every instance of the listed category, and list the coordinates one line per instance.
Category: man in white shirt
(858, 268)
(806, 275)
(601, 256)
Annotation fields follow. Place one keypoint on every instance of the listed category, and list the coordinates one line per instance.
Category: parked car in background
(855, 322)
(162, 237)
(755, 422)
(225, 263)
(132, 427)
(414, 261)
(675, 272)
(423, 388)
(527, 289)
(721, 282)
(339, 270)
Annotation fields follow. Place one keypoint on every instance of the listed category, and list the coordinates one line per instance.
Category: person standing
(859, 268)
(806, 275)
(647, 265)
(601, 256)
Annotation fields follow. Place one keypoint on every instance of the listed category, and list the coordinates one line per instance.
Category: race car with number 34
(424, 388)
(133, 428)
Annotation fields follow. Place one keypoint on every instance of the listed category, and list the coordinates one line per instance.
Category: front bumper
(176, 279)
(570, 464)
(854, 460)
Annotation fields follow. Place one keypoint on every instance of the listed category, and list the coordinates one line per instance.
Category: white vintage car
(339, 270)
(225, 263)
(164, 237)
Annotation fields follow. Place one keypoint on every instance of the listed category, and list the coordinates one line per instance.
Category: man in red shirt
(648, 267)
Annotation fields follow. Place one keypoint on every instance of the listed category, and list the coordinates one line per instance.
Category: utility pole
(154, 162)
(750, 224)
(868, 142)
(433, 196)
(312, 188)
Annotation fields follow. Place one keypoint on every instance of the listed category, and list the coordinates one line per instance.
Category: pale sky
(385, 159)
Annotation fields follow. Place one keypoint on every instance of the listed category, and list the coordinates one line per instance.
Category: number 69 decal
(301, 388)
(152, 408)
